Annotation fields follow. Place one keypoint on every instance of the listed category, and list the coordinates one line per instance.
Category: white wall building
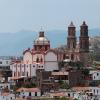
(29, 92)
(95, 74)
(7, 96)
(96, 92)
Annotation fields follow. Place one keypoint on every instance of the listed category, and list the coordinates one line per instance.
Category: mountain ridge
(13, 44)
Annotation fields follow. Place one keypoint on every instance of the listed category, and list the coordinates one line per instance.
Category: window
(22, 73)
(37, 60)
(6, 62)
(35, 93)
(94, 77)
(18, 73)
(68, 95)
(97, 74)
(41, 59)
(97, 91)
(14, 73)
(30, 94)
(0, 62)
(94, 91)
(73, 45)
(27, 73)
(72, 56)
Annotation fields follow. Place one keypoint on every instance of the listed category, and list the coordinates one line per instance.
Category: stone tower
(84, 38)
(84, 44)
(71, 40)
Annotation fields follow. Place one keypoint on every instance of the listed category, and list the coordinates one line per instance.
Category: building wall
(96, 76)
(39, 56)
(51, 62)
(5, 62)
(26, 94)
(27, 58)
(75, 78)
(29, 65)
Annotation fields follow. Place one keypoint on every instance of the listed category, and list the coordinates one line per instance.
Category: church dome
(41, 40)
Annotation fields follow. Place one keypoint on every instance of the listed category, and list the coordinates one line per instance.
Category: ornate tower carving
(71, 40)
(84, 38)
(84, 44)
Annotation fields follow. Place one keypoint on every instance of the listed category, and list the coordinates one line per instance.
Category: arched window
(37, 60)
(22, 73)
(41, 59)
(27, 74)
(14, 73)
(73, 44)
(18, 73)
(72, 56)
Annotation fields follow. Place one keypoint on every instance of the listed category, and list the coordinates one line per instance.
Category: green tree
(63, 98)
(64, 85)
(75, 99)
(86, 72)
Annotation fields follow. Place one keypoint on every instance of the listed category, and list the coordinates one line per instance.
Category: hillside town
(45, 73)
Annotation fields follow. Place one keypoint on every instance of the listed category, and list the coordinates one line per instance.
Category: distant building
(5, 71)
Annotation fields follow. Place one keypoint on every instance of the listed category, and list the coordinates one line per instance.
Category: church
(77, 48)
(42, 57)
(78, 51)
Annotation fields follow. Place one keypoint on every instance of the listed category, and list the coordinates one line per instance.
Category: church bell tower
(84, 38)
(84, 44)
(71, 39)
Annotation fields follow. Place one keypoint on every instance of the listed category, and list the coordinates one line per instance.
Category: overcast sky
(16, 15)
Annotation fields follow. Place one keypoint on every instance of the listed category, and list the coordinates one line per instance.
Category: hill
(14, 43)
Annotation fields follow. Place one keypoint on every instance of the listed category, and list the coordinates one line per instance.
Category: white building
(7, 96)
(39, 57)
(95, 74)
(5, 71)
(29, 92)
(96, 92)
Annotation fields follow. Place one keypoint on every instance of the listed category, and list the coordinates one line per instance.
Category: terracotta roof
(28, 90)
(58, 94)
(71, 98)
(81, 88)
(60, 73)
(22, 89)
(20, 99)
(98, 67)
(5, 94)
(16, 78)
